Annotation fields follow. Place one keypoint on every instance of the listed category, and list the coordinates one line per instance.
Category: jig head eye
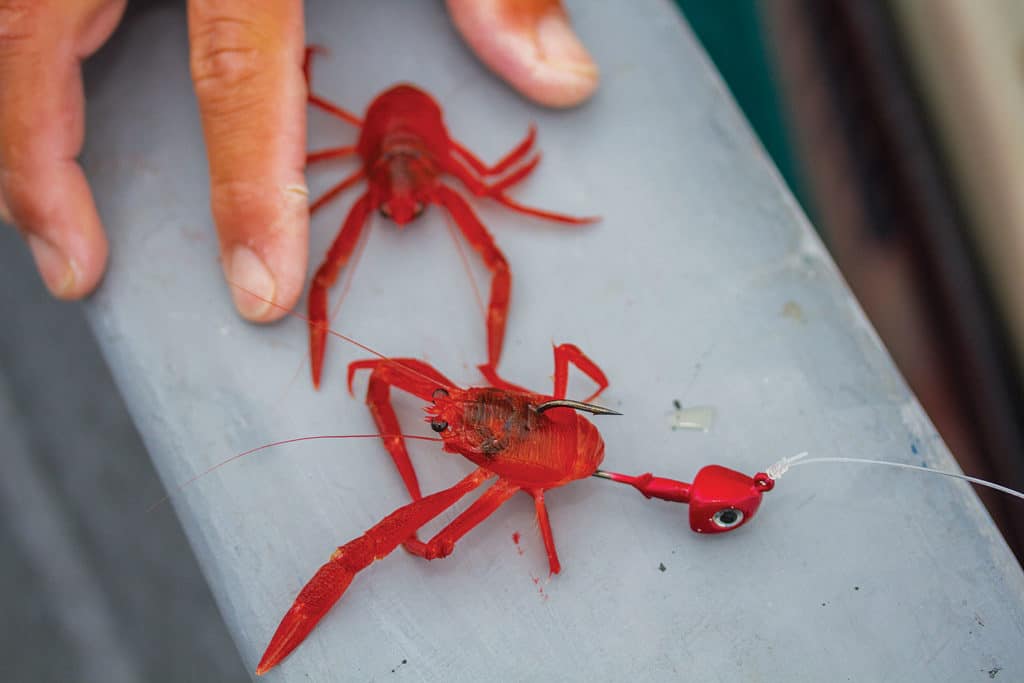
(727, 518)
(438, 425)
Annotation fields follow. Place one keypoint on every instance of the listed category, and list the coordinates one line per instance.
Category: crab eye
(439, 393)
(727, 518)
(438, 425)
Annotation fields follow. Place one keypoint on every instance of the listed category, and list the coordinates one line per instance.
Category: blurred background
(899, 127)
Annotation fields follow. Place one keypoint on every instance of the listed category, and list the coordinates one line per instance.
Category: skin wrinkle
(228, 53)
(243, 197)
(17, 24)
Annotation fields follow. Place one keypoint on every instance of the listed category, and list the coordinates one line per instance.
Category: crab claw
(317, 597)
(332, 579)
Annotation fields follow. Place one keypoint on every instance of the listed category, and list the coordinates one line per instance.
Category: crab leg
(316, 100)
(481, 189)
(517, 153)
(570, 353)
(332, 153)
(564, 355)
(442, 544)
(481, 241)
(407, 374)
(333, 578)
(348, 182)
(337, 256)
(514, 177)
(545, 531)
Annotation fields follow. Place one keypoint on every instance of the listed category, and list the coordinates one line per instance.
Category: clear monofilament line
(779, 468)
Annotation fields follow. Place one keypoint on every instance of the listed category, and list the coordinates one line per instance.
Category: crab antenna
(178, 488)
(577, 405)
(331, 332)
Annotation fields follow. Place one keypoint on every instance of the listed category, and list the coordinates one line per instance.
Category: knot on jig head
(777, 469)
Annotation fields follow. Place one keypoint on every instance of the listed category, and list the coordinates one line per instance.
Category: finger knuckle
(228, 195)
(239, 202)
(225, 56)
(18, 22)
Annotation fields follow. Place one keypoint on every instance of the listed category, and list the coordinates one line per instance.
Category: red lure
(405, 148)
(531, 442)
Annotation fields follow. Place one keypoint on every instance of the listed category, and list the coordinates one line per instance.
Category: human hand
(246, 60)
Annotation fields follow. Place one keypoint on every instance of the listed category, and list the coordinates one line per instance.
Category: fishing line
(776, 470)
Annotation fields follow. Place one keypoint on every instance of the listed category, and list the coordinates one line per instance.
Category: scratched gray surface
(849, 573)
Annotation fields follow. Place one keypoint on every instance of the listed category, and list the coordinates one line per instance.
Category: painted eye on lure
(727, 518)
(438, 425)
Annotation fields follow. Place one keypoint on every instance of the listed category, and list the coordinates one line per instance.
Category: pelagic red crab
(527, 441)
(404, 149)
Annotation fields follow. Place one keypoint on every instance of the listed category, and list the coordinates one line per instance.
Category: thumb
(530, 44)
(246, 62)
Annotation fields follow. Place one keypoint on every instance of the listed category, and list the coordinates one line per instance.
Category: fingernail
(247, 270)
(54, 267)
(561, 49)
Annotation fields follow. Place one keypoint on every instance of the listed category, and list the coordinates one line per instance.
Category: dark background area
(830, 88)
(94, 587)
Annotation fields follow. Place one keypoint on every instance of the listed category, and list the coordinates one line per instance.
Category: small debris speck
(661, 566)
(792, 310)
(699, 418)
(823, 604)
(994, 671)
(856, 588)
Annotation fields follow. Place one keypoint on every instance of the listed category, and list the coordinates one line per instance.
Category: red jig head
(720, 499)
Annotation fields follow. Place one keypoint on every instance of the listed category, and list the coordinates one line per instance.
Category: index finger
(246, 59)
